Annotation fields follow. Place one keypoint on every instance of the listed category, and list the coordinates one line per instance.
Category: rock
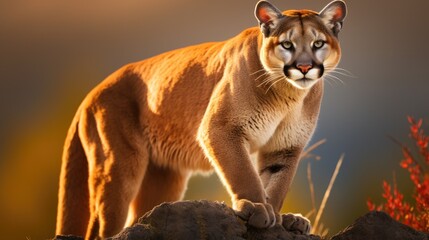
(379, 225)
(199, 220)
(213, 220)
(186, 220)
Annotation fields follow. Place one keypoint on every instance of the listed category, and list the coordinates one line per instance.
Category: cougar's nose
(304, 67)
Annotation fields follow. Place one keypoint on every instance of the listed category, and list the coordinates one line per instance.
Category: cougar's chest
(286, 127)
(294, 130)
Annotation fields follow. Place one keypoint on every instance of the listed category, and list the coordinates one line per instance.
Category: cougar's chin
(303, 83)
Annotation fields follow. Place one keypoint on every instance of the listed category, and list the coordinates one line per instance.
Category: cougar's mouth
(303, 79)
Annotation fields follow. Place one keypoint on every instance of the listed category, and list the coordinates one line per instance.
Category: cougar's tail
(73, 197)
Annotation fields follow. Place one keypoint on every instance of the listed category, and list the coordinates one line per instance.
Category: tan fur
(139, 135)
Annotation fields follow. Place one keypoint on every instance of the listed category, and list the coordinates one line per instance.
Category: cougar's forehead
(296, 34)
(300, 24)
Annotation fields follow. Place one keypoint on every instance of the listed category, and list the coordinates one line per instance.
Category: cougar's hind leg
(117, 157)
(113, 186)
(159, 185)
(113, 194)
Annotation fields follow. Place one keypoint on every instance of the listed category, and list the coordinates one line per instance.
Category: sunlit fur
(140, 134)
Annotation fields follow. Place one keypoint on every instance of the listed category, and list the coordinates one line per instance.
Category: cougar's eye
(318, 44)
(287, 45)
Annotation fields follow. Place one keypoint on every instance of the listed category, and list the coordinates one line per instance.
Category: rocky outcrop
(199, 220)
(214, 220)
(378, 225)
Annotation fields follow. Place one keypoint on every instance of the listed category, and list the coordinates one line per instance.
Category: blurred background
(52, 53)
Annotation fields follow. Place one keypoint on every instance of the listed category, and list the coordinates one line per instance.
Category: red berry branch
(415, 215)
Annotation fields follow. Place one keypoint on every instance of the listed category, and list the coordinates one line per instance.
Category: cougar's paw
(259, 215)
(296, 223)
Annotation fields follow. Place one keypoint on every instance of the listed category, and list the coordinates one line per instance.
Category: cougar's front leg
(222, 136)
(225, 147)
(277, 170)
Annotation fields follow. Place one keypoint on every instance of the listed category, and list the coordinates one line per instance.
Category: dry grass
(318, 226)
(319, 229)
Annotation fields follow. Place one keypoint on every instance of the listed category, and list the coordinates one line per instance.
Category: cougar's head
(300, 45)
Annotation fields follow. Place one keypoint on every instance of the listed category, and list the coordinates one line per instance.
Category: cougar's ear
(333, 15)
(268, 16)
